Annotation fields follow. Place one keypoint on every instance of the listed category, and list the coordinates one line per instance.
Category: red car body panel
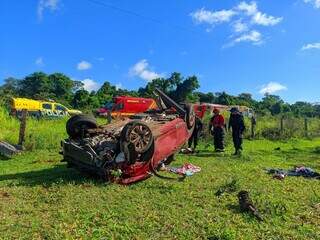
(172, 137)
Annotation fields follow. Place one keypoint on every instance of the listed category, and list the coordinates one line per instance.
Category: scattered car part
(246, 204)
(7, 150)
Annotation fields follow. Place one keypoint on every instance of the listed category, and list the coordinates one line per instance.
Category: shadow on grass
(211, 154)
(59, 174)
(205, 155)
(3, 158)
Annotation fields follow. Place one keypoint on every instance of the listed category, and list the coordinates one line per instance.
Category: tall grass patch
(40, 134)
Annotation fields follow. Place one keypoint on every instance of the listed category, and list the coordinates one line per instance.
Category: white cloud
(240, 27)
(257, 17)
(249, 8)
(243, 17)
(39, 61)
(118, 86)
(271, 88)
(311, 46)
(142, 70)
(90, 85)
(265, 20)
(211, 17)
(315, 3)
(253, 36)
(52, 5)
(84, 65)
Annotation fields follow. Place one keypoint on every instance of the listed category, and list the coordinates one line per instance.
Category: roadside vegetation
(40, 198)
(61, 88)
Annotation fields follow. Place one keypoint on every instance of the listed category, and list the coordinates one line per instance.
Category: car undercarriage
(131, 149)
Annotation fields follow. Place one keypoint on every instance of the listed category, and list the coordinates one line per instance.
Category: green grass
(42, 199)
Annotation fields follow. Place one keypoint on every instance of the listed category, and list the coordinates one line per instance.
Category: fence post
(281, 124)
(23, 124)
(306, 127)
(253, 124)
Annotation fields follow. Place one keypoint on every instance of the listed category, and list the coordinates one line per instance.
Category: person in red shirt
(217, 125)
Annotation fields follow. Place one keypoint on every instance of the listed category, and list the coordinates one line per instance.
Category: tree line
(63, 89)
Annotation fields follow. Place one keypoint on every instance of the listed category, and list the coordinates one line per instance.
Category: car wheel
(190, 116)
(139, 134)
(78, 124)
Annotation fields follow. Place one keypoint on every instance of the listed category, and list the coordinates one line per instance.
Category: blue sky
(235, 46)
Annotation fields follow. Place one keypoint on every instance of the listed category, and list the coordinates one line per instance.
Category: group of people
(217, 127)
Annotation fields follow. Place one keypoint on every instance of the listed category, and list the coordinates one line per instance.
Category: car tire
(78, 124)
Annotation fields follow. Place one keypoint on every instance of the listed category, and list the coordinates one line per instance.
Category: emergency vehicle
(39, 108)
(125, 106)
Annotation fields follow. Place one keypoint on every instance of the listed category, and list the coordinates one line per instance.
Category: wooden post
(306, 127)
(23, 125)
(281, 124)
(253, 124)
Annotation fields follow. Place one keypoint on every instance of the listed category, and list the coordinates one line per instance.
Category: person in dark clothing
(195, 134)
(217, 126)
(236, 122)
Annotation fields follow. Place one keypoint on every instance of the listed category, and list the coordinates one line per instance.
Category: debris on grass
(229, 187)
(296, 172)
(186, 169)
(246, 204)
(7, 150)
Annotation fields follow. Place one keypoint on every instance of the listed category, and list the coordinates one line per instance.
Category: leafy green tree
(36, 85)
(81, 99)
(225, 99)
(106, 92)
(206, 97)
(10, 86)
(303, 109)
(245, 99)
(272, 103)
(178, 88)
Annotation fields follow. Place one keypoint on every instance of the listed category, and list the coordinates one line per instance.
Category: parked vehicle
(131, 149)
(125, 106)
(39, 108)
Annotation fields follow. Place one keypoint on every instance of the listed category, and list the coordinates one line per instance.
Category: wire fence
(274, 127)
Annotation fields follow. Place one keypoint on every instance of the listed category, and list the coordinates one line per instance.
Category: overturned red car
(130, 150)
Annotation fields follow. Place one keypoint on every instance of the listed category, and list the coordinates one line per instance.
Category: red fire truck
(124, 106)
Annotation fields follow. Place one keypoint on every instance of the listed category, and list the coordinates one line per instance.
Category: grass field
(42, 199)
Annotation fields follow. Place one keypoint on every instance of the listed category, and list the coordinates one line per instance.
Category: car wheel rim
(140, 136)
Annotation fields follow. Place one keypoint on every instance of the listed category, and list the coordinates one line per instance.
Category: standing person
(195, 134)
(236, 122)
(217, 126)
